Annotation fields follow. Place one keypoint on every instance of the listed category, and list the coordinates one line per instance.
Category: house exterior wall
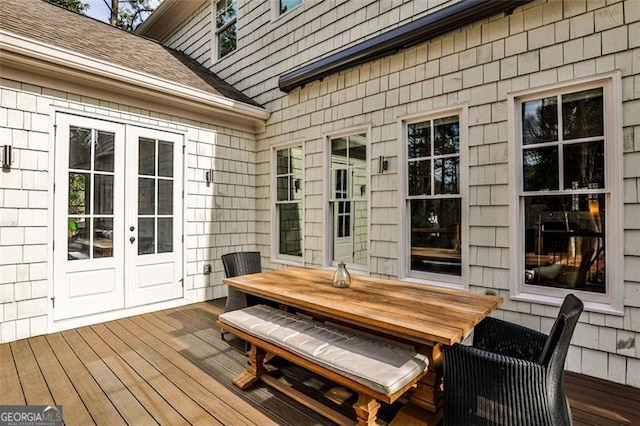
(218, 218)
(477, 66)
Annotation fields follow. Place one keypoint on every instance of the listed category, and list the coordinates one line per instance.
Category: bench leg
(256, 368)
(366, 409)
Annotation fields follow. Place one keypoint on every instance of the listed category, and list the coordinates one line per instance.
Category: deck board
(172, 367)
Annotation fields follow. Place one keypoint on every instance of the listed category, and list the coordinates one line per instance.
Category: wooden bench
(376, 369)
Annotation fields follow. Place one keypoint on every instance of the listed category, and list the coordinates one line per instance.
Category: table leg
(256, 368)
(428, 393)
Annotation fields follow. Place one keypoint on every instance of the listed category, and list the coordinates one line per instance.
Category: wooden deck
(171, 367)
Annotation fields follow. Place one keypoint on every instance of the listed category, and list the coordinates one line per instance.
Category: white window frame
(216, 31)
(610, 302)
(275, 9)
(276, 257)
(328, 190)
(405, 272)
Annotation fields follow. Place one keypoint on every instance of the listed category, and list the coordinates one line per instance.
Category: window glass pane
(79, 148)
(540, 121)
(419, 140)
(435, 236)
(339, 151)
(564, 241)
(287, 5)
(295, 186)
(296, 160)
(282, 156)
(282, 188)
(226, 10)
(78, 242)
(540, 168)
(103, 238)
(584, 165)
(147, 157)
(446, 176)
(165, 235)
(146, 235)
(420, 177)
(104, 152)
(103, 194)
(79, 193)
(446, 136)
(582, 114)
(227, 40)
(165, 159)
(290, 226)
(146, 196)
(165, 197)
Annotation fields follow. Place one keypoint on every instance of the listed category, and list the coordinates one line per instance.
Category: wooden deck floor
(171, 367)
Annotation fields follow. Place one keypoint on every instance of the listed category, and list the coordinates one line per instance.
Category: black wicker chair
(236, 264)
(512, 375)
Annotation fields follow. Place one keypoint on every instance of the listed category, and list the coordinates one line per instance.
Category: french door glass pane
(435, 235)
(540, 169)
(104, 152)
(165, 159)
(165, 197)
(103, 237)
(146, 157)
(79, 193)
(146, 235)
(79, 148)
(146, 196)
(103, 194)
(78, 242)
(165, 235)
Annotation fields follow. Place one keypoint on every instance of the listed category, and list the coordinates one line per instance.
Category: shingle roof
(50, 24)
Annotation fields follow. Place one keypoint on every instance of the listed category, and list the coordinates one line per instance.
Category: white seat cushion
(376, 364)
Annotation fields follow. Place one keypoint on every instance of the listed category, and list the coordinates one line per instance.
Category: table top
(414, 312)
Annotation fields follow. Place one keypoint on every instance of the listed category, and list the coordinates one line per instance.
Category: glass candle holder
(341, 278)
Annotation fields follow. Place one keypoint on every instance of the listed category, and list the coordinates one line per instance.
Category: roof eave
(421, 30)
(17, 49)
(166, 18)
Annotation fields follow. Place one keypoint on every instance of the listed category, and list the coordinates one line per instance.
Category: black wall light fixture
(382, 164)
(7, 157)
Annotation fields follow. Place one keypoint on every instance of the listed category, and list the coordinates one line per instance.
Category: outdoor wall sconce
(7, 157)
(382, 164)
(296, 185)
(208, 176)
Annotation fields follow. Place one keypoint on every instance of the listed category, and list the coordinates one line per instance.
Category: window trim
(326, 197)
(215, 55)
(610, 302)
(404, 237)
(276, 257)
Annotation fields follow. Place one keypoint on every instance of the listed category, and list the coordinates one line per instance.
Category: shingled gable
(50, 25)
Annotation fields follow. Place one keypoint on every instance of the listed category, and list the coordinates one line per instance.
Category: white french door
(117, 217)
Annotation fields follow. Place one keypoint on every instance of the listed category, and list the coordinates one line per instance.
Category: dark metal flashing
(432, 25)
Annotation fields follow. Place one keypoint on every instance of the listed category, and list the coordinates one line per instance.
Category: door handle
(132, 239)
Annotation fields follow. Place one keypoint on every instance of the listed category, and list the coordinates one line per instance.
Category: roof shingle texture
(53, 25)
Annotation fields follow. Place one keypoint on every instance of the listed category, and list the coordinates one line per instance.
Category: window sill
(452, 282)
(556, 300)
(288, 262)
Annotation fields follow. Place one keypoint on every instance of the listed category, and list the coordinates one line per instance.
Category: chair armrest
(481, 387)
(509, 339)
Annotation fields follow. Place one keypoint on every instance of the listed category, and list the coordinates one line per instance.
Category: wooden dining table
(426, 317)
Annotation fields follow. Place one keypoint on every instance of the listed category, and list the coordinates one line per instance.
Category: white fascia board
(54, 55)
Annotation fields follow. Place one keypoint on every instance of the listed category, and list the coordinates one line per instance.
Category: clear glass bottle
(341, 278)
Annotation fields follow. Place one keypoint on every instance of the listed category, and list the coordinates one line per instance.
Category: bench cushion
(379, 365)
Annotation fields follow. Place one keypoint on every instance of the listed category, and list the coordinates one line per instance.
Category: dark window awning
(432, 25)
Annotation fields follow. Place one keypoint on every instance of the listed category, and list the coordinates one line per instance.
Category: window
(287, 5)
(566, 190)
(226, 12)
(288, 204)
(348, 204)
(434, 201)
